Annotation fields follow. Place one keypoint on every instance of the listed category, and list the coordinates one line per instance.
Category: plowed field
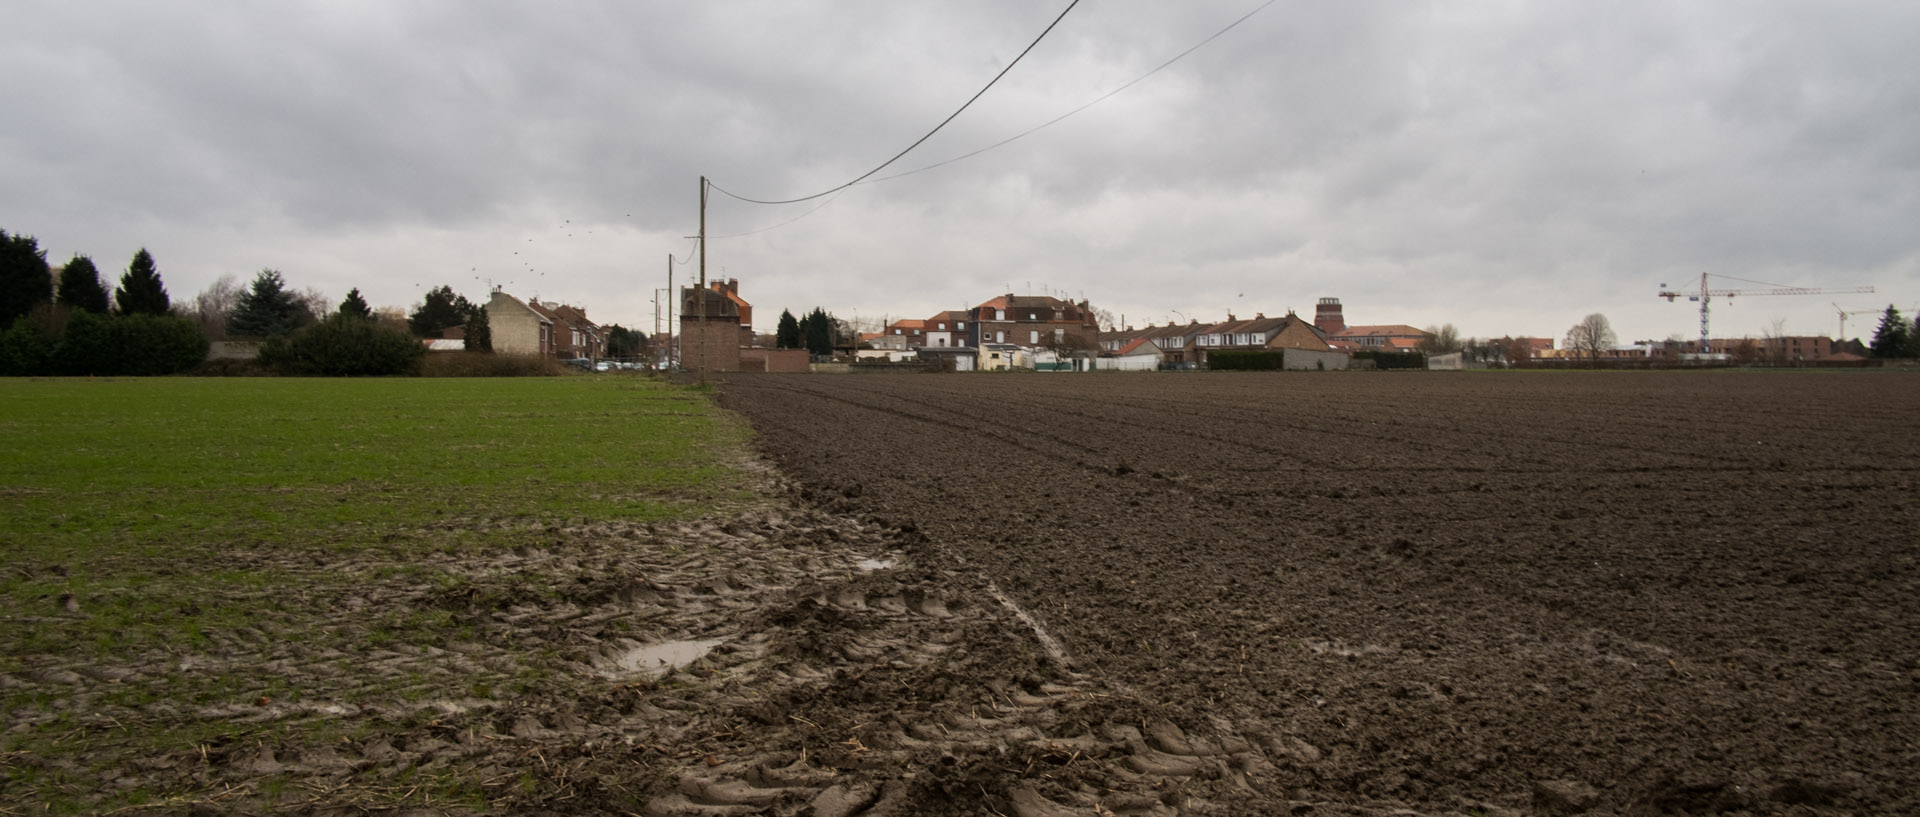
(1452, 593)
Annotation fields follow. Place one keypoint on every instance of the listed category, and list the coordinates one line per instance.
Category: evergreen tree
(355, 306)
(141, 291)
(80, 287)
(787, 334)
(818, 333)
(625, 343)
(1894, 338)
(267, 309)
(440, 309)
(25, 280)
(479, 333)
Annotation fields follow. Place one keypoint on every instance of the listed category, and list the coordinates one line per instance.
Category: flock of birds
(525, 262)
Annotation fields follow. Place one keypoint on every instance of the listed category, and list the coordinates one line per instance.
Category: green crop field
(149, 524)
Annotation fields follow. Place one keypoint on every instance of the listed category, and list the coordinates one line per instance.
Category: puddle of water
(870, 565)
(658, 659)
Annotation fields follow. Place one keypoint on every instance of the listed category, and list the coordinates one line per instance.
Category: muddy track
(1659, 593)
(788, 660)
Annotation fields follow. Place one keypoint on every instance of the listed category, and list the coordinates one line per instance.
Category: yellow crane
(1706, 295)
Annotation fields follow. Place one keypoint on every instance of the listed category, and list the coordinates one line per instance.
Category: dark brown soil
(1652, 593)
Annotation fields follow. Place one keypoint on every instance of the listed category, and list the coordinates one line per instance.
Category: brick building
(715, 323)
(1032, 321)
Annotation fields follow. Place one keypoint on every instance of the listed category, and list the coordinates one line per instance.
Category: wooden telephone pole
(703, 281)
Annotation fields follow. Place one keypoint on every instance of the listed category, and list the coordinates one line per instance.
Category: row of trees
(818, 332)
(71, 327)
(67, 324)
(27, 282)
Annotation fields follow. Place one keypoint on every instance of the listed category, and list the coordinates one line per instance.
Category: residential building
(999, 356)
(1393, 337)
(1258, 333)
(906, 334)
(1330, 319)
(715, 324)
(1137, 355)
(1033, 321)
(517, 327)
(573, 335)
(948, 328)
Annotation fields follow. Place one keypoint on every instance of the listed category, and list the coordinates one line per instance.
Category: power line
(690, 248)
(810, 211)
(916, 143)
(1097, 100)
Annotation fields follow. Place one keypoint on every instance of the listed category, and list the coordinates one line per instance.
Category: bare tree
(1516, 350)
(212, 306)
(1591, 336)
(1774, 341)
(1441, 340)
(317, 303)
(392, 317)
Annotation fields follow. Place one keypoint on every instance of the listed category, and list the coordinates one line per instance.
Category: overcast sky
(1505, 167)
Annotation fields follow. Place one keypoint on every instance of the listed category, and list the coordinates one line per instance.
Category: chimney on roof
(1231, 318)
(1259, 316)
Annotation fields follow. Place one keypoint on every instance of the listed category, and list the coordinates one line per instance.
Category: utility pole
(703, 281)
(673, 313)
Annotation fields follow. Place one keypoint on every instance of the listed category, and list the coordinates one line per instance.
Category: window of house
(959, 326)
(943, 326)
(916, 333)
(999, 314)
(940, 341)
(1000, 337)
(1033, 336)
(1033, 316)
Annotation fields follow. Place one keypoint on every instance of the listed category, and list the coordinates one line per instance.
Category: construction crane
(1846, 313)
(1706, 295)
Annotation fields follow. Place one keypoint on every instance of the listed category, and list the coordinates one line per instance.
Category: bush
(63, 341)
(1393, 360)
(1246, 360)
(344, 346)
(489, 364)
(25, 350)
(156, 345)
(87, 347)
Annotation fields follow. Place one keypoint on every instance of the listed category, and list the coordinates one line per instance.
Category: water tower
(1327, 316)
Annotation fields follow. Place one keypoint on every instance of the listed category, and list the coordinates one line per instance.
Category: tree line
(68, 324)
(818, 332)
(72, 327)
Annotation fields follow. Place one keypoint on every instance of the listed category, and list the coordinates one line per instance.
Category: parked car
(581, 363)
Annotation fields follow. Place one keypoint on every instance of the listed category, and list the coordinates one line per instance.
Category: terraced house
(1259, 333)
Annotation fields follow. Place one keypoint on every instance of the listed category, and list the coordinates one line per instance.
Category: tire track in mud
(791, 660)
